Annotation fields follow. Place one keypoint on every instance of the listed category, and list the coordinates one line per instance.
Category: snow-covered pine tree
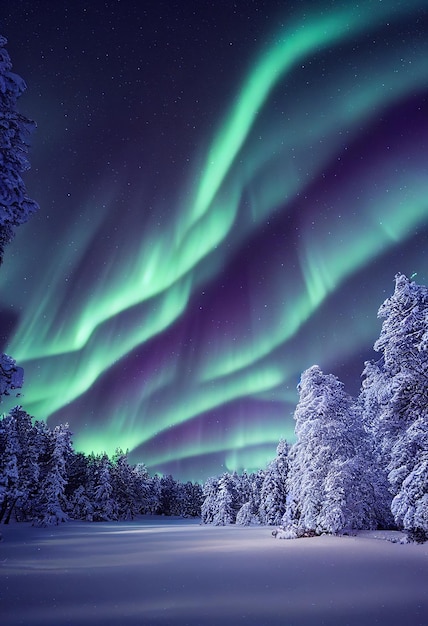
(101, 489)
(79, 505)
(330, 479)
(124, 487)
(28, 463)
(397, 387)
(245, 515)
(9, 467)
(209, 504)
(274, 488)
(228, 501)
(52, 505)
(168, 504)
(15, 205)
(142, 487)
(147, 489)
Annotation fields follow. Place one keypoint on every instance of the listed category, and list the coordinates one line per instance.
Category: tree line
(45, 481)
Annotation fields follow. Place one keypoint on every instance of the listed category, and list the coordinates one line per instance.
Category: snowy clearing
(168, 571)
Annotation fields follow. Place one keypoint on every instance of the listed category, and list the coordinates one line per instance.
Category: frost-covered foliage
(331, 475)
(15, 205)
(395, 393)
(209, 494)
(227, 501)
(19, 467)
(51, 502)
(273, 494)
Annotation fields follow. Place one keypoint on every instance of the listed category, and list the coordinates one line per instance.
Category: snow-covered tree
(168, 496)
(189, 499)
(409, 477)
(19, 465)
(331, 473)
(395, 394)
(52, 502)
(101, 491)
(209, 504)
(225, 511)
(28, 463)
(15, 205)
(144, 489)
(80, 507)
(274, 488)
(246, 515)
(228, 500)
(148, 488)
(124, 486)
(9, 467)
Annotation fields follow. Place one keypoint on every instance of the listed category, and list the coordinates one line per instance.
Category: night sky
(226, 191)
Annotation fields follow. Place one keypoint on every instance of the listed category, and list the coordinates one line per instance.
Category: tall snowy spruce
(19, 467)
(331, 481)
(273, 495)
(395, 397)
(52, 504)
(228, 501)
(15, 205)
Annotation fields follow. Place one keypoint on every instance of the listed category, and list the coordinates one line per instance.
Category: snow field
(161, 571)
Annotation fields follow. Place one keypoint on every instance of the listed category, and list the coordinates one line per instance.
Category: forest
(357, 463)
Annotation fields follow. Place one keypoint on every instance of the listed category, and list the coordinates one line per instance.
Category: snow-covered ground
(176, 572)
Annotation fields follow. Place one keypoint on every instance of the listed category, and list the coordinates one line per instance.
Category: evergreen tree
(28, 463)
(9, 474)
(274, 488)
(246, 516)
(147, 489)
(192, 500)
(52, 502)
(15, 205)
(152, 503)
(101, 489)
(168, 496)
(395, 394)
(124, 487)
(331, 472)
(228, 500)
(209, 504)
(77, 466)
(79, 505)
(250, 487)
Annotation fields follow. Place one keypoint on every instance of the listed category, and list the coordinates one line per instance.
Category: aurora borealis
(226, 192)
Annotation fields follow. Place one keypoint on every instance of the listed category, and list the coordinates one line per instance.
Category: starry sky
(226, 190)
